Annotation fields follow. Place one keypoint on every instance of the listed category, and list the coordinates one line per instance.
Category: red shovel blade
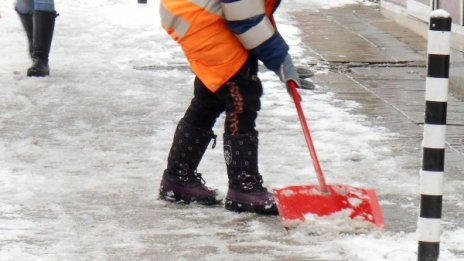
(295, 202)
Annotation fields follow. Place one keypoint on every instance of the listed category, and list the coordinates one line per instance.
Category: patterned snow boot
(246, 192)
(181, 181)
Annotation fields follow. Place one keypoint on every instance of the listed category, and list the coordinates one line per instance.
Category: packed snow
(82, 151)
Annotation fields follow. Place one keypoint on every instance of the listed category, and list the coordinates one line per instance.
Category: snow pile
(82, 152)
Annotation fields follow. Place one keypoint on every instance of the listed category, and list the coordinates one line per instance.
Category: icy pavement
(82, 152)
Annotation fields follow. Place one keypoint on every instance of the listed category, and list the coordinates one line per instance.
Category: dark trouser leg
(246, 193)
(181, 181)
(204, 108)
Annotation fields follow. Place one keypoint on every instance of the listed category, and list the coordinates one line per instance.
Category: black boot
(26, 21)
(44, 24)
(246, 191)
(181, 181)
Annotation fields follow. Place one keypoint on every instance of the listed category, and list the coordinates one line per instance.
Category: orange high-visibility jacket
(214, 52)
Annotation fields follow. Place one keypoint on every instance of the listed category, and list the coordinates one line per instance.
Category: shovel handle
(312, 151)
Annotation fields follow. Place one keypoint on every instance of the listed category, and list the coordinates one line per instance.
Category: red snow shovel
(295, 202)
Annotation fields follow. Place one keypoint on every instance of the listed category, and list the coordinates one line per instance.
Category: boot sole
(258, 209)
(34, 73)
(179, 198)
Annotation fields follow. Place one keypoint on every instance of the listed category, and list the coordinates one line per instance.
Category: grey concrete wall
(457, 73)
(421, 28)
(453, 7)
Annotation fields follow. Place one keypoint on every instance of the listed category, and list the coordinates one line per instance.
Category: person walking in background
(223, 41)
(38, 20)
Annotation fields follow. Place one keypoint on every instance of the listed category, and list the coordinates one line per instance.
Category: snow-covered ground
(82, 151)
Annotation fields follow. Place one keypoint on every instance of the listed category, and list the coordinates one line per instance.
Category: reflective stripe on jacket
(213, 48)
(253, 24)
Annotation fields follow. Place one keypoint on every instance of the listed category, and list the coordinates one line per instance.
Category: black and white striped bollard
(433, 144)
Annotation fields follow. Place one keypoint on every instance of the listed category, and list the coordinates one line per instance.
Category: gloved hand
(287, 71)
(304, 72)
(306, 85)
(291, 89)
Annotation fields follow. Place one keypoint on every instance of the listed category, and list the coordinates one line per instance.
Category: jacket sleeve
(248, 21)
